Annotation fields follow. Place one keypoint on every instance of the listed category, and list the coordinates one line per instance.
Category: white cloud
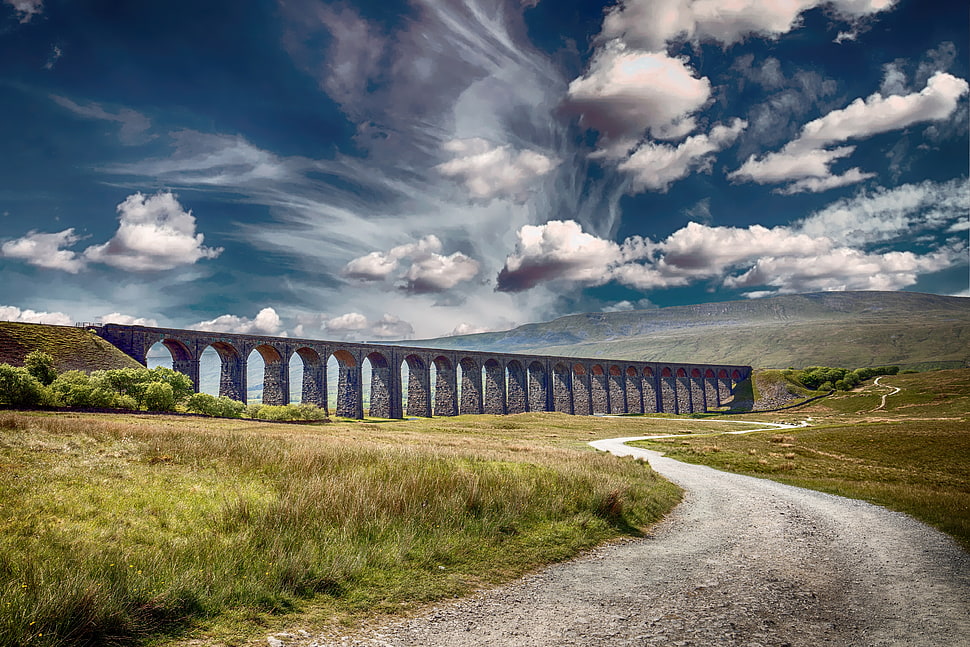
(826, 251)
(351, 321)
(841, 269)
(128, 320)
(488, 170)
(375, 266)
(819, 184)
(655, 166)
(627, 91)
(155, 233)
(619, 306)
(13, 313)
(557, 250)
(392, 327)
(891, 214)
(354, 325)
(46, 250)
(53, 57)
(26, 9)
(266, 322)
(429, 271)
(465, 328)
(654, 23)
(806, 161)
(437, 273)
(133, 124)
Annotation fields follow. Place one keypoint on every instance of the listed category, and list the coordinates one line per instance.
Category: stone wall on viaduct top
(464, 381)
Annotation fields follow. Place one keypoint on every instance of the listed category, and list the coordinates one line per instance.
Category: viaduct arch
(465, 382)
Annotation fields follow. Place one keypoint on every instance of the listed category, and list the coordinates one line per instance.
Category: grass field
(119, 529)
(125, 529)
(912, 456)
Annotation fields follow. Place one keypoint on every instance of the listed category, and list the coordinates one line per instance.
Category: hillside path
(894, 391)
(741, 561)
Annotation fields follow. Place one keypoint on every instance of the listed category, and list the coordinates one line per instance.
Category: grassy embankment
(72, 348)
(122, 529)
(912, 456)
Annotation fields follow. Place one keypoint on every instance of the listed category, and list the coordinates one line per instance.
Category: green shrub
(159, 396)
(210, 405)
(252, 410)
(134, 382)
(304, 411)
(41, 366)
(19, 388)
(76, 389)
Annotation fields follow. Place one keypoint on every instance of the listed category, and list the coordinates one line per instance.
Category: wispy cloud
(807, 161)
(134, 125)
(26, 9)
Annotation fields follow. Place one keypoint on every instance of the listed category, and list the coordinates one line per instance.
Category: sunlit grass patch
(113, 528)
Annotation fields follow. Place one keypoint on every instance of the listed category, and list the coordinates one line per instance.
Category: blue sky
(391, 170)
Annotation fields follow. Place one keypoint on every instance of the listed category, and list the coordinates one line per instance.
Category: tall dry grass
(116, 529)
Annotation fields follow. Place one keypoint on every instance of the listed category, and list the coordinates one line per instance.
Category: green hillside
(830, 328)
(72, 348)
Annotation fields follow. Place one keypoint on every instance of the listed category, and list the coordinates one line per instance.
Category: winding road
(741, 561)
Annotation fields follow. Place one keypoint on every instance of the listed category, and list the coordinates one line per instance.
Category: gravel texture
(742, 561)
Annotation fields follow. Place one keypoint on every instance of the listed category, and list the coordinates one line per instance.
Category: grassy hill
(72, 348)
(831, 328)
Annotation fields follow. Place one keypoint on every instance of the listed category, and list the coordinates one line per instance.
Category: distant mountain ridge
(827, 328)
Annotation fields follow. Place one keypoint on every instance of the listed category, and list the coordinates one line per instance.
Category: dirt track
(741, 561)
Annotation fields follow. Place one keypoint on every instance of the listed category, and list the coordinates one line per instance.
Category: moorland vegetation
(160, 389)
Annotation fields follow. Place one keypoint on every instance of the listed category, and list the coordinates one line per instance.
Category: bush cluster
(827, 378)
(37, 383)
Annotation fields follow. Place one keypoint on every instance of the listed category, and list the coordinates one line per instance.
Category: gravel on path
(741, 561)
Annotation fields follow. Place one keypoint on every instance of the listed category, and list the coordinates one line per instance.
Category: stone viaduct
(465, 382)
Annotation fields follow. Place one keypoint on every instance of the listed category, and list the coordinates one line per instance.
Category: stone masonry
(440, 382)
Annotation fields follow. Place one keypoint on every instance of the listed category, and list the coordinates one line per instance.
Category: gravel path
(742, 561)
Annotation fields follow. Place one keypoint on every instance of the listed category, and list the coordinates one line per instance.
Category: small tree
(41, 366)
(19, 388)
(159, 396)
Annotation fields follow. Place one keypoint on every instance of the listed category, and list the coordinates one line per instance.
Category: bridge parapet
(440, 382)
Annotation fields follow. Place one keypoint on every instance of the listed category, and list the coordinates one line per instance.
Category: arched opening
(383, 391)
(417, 375)
(562, 395)
(223, 360)
(470, 389)
(683, 392)
(668, 391)
(538, 387)
(711, 395)
(617, 391)
(445, 387)
(173, 354)
(698, 399)
(494, 376)
(724, 390)
(634, 391)
(266, 376)
(599, 390)
(308, 381)
(736, 376)
(649, 387)
(349, 380)
(582, 405)
(516, 399)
